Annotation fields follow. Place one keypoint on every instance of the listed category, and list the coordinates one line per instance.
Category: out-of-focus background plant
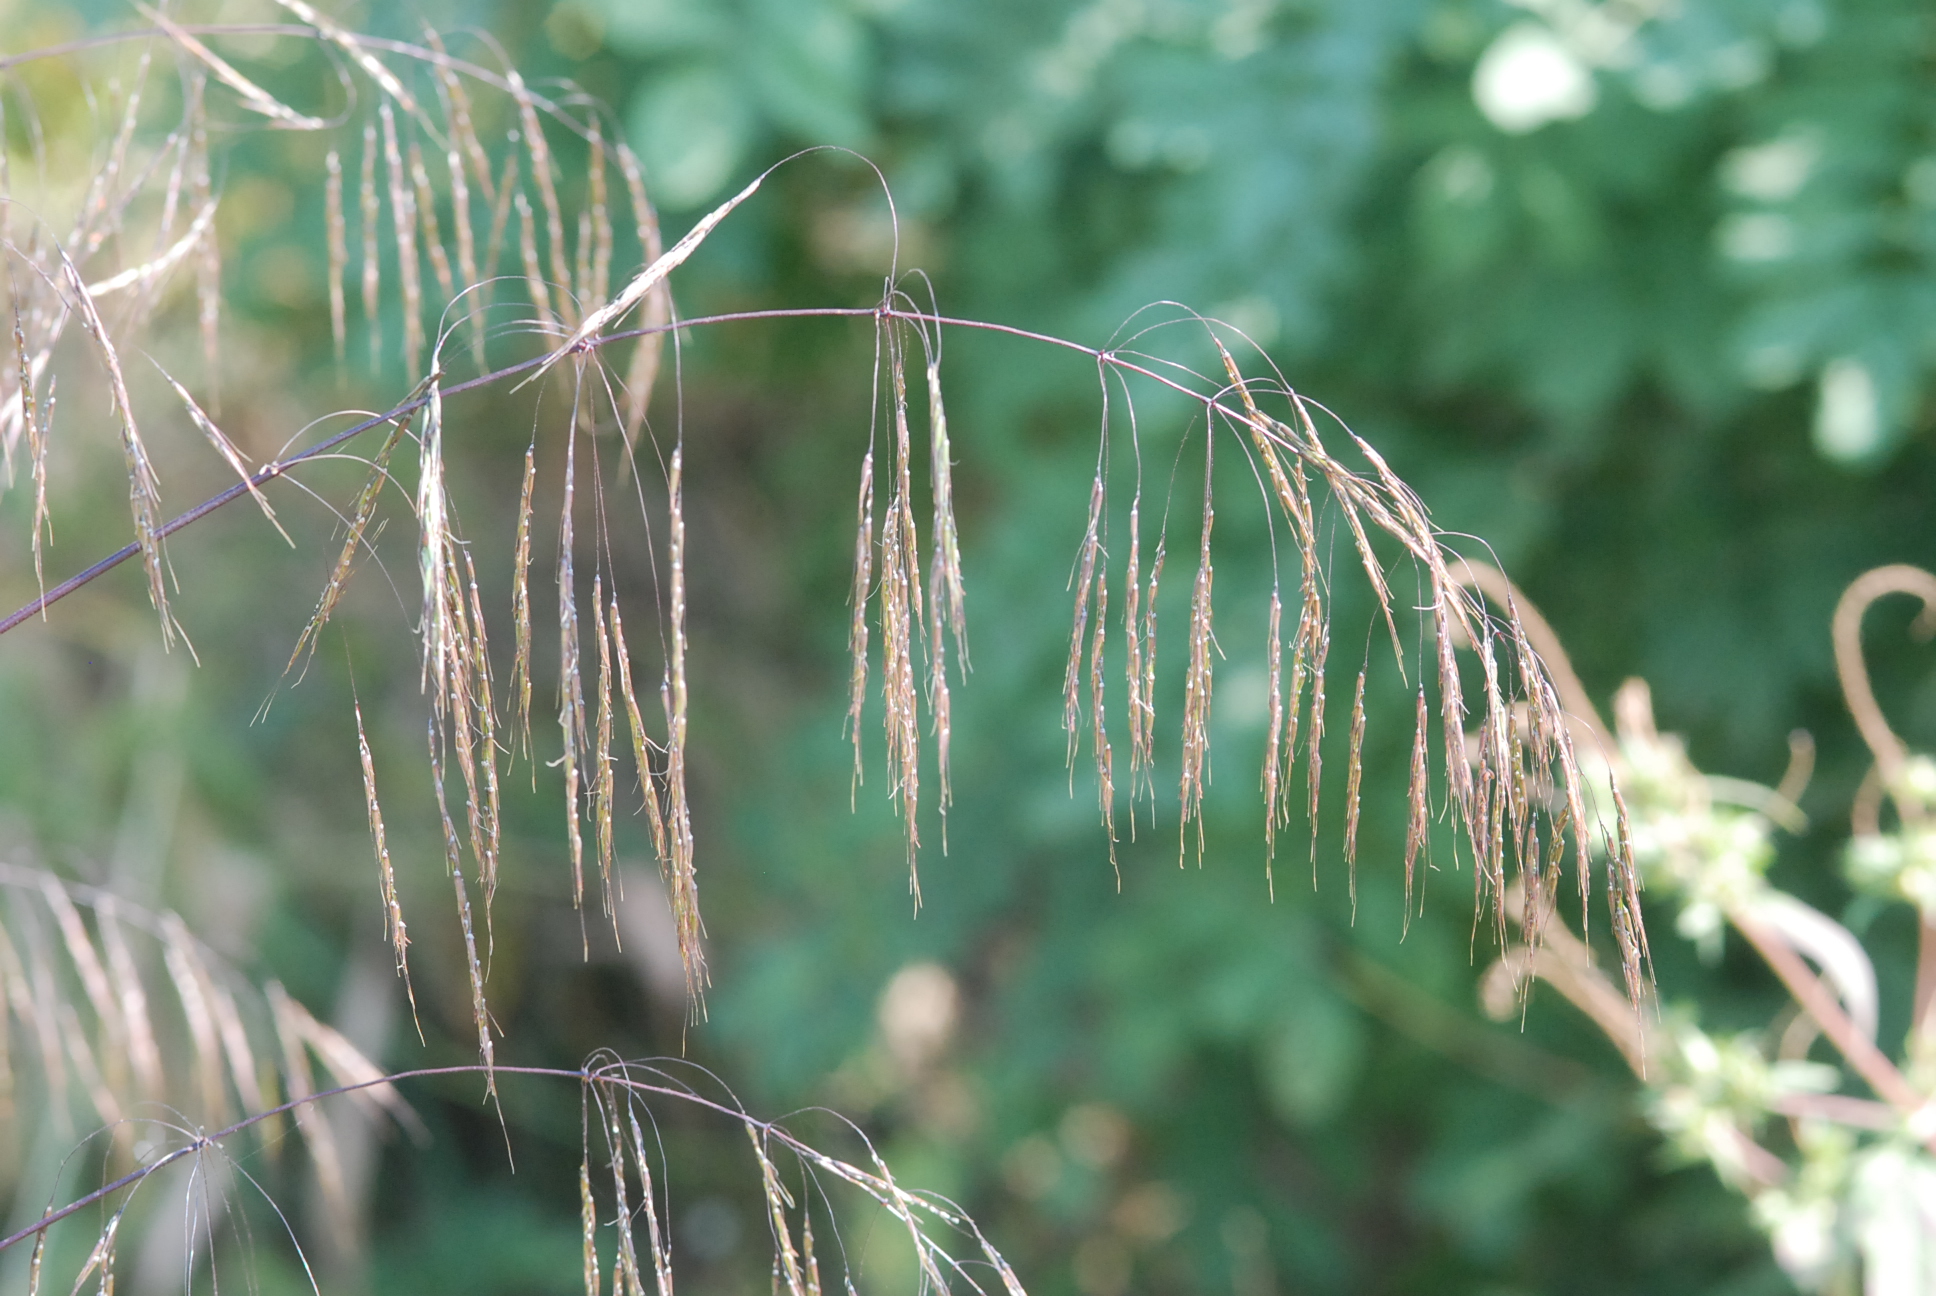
(1639, 295)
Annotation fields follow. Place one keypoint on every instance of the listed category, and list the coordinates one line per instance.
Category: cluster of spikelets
(1850, 1185)
(464, 162)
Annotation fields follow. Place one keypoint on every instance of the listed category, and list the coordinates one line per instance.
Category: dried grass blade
(650, 277)
(225, 448)
(395, 930)
(684, 882)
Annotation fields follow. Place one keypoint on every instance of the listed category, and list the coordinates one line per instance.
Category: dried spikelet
(1274, 736)
(1098, 734)
(457, 106)
(254, 97)
(243, 1072)
(339, 250)
(588, 1222)
(598, 212)
(460, 219)
(571, 693)
(1353, 784)
(310, 1119)
(351, 1070)
(403, 220)
(1314, 743)
(101, 1258)
(395, 930)
(863, 590)
(151, 271)
(473, 965)
(641, 742)
(106, 1106)
(900, 613)
(1197, 679)
(144, 1055)
(534, 280)
(644, 367)
(144, 488)
(339, 573)
(87, 966)
(649, 1207)
(23, 400)
(426, 199)
(369, 208)
(543, 171)
(485, 713)
(521, 607)
(226, 448)
(1418, 797)
(208, 267)
(1084, 581)
(602, 781)
(507, 188)
(351, 45)
(777, 1202)
(32, 1000)
(684, 881)
(626, 1278)
(441, 660)
(190, 978)
(649, 278)
(1141, 757)
(1149, 668)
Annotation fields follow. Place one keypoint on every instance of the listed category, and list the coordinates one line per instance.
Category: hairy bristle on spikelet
(858, 598)
(642, 743)
(1353, 785)
(588, 1226)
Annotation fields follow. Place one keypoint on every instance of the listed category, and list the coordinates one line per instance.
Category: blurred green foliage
(1667, 354)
